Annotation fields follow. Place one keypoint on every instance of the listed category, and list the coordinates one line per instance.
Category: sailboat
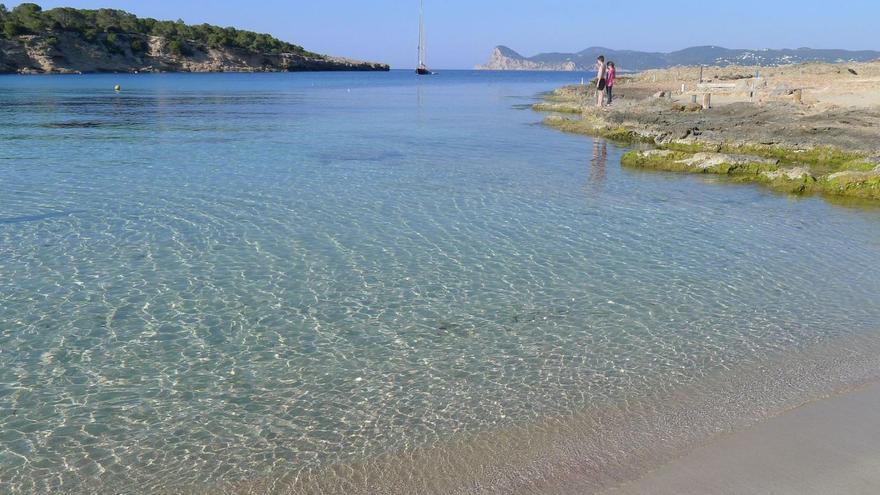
(422, 69)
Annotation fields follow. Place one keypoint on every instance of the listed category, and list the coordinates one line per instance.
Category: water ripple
(309, 289)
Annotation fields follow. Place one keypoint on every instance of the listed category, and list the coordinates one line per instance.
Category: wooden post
(701, 74)
(707, 101)
(694, 99)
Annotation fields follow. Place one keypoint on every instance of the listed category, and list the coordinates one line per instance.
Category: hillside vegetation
(118, 30)
(67, 40)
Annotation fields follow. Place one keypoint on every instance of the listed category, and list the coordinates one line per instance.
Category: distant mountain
(66, 40)
(504, 58)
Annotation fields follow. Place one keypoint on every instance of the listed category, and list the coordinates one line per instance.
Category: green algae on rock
(596, 128)
(775, 173)
(560, 107)
(707, 163)
(821, 169)
(853, 183)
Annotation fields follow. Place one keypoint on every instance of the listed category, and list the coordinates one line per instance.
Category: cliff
(61, 41)
(503, 58)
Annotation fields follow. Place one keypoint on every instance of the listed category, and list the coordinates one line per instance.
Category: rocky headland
(503, 58)
(70, 41)
(807, 128)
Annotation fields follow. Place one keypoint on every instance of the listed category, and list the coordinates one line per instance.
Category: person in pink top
(610, 74)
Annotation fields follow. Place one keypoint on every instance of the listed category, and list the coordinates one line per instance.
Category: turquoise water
(279, 281)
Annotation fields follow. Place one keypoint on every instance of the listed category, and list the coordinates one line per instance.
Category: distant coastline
(504, 58)
(75, 41)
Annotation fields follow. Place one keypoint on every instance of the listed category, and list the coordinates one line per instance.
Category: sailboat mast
(421, 33)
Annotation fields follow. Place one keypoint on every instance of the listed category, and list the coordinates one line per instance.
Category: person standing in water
(600, 86)
(610, 75)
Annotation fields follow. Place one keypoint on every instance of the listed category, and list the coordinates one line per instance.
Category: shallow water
(240, 280)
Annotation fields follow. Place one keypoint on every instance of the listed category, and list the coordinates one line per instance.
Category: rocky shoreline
(69, 54)
(803, 132)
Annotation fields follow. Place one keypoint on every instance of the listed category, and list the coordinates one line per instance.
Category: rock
(855, 175)
(794, 173)
(656, 153)
(853, 72)
(780, 90)
(660, 94)
(702, 161)
(743, 86)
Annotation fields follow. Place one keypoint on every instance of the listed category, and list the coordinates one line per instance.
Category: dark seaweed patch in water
(75, 124)
(447, 328)
(37, 218)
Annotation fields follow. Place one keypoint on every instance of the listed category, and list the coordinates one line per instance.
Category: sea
(384, 283)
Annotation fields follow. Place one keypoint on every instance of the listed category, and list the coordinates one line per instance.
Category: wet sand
(829, 446)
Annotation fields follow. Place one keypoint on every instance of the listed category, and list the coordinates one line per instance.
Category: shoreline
(807, 450)
(233, 70)
(602, 449)
(821, 140)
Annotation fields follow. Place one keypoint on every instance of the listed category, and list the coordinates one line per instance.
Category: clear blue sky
(461, 33)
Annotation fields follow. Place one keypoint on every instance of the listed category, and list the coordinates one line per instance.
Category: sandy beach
(804, 129)
(829, 446)
(305, 249)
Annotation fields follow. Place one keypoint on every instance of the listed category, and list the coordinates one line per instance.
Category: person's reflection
(599, 161)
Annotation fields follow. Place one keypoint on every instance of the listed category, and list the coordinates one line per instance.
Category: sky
(462, 33)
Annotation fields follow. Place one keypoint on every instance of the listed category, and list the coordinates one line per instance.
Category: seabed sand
(617, 444)
(827, 447)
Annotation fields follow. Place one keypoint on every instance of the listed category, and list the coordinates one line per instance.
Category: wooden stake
(707, 101)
